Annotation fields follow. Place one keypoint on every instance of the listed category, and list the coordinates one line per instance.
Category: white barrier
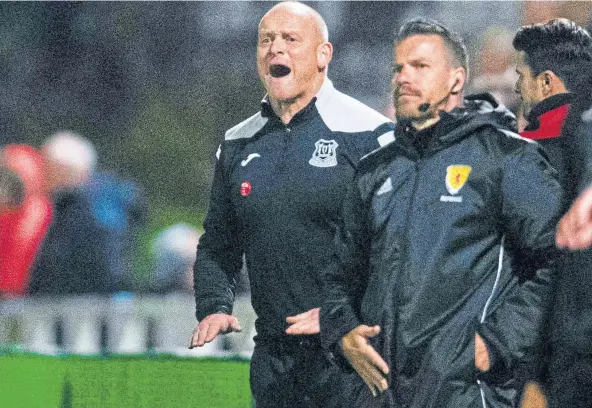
(123, 323)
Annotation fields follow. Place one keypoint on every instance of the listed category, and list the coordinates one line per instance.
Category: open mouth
(278, 71)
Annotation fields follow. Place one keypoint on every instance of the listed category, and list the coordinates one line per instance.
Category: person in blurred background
(494, 72)
(23, 230)
(442, 275)
(173, 250)
(85, 250)
(73, 257)
(120, 207)
(279, 183)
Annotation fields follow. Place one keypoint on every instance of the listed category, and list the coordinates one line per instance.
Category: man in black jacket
(443, 269)
(570, 370)
(569, 377)
(554, 64)
(553, 61)
(279, 183)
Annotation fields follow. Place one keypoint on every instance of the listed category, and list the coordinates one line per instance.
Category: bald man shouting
(280, 179)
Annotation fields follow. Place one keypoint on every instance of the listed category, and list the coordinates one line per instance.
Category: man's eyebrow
(268, 32)
(265, 32)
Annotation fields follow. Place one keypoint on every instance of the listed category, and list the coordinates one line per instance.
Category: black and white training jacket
(276, 198)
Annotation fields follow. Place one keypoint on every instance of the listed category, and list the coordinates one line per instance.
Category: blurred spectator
(88, 247)
(495, 67)
(23, 230)
(73, 256)
(120, 208)
(173, 250)
(12, 190)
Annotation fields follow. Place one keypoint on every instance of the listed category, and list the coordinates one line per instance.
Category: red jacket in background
(22, 230)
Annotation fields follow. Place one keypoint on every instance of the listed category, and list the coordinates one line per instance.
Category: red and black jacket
(545, 125)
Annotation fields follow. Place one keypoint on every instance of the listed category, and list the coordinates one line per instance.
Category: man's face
(287, 54)
(528, 85)
(422, 74)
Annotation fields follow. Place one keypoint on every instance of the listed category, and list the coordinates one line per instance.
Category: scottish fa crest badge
(325, 154)
(456, 177)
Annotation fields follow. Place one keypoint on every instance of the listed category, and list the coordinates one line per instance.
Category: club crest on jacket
(456, 177)
(325, 153)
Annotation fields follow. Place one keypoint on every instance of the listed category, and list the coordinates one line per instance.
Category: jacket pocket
(499, 372)
(453, 352)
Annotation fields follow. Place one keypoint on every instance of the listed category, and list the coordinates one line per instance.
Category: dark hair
(560, 46)
(453, 41)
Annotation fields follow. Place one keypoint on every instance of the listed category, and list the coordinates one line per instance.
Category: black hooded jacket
(447, 232)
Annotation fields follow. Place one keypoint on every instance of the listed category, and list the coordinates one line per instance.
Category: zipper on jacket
(404, 257)
(483, 402)
(286, 138)
(487, 303)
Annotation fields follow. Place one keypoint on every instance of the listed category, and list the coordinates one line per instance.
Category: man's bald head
(292, 54)
(305, 11)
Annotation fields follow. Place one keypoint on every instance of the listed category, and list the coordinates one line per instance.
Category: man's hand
(575, 228)
(533, 396)
(364, 359)
(211, 326)
(481, 355)
(304, 323)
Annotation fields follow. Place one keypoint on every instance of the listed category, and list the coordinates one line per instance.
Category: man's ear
(459, 76)
(324, 55)
(547, 81)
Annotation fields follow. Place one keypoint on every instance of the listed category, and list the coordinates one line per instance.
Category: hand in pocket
(481, 355)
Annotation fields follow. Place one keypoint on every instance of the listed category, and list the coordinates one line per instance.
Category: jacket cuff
(203, 311)
(337, 358)
(334, 325)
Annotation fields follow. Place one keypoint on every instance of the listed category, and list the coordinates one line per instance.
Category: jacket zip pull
(285, 147)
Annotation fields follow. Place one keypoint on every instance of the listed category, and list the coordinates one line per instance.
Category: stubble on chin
(406, 112)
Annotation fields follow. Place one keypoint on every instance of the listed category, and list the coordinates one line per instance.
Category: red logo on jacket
(245, 188)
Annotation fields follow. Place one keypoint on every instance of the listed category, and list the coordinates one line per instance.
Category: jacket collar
(432, 137)
(321, 98)
(546, 105)
(546, 119)
(478, 111)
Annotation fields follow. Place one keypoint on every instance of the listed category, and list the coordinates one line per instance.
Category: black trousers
(570, 369)
(570, 381)
(296, 374)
